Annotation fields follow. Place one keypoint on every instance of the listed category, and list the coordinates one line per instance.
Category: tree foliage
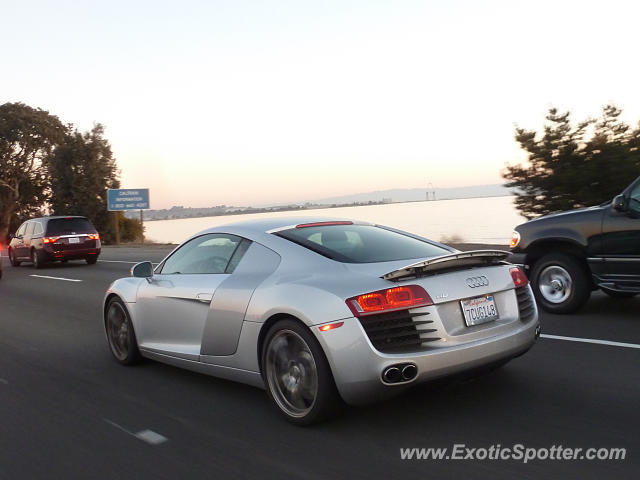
(131, 229)
(27, 137)
(81, 169)
(571, 166)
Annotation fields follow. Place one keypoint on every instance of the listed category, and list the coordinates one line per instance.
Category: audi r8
(321, 311)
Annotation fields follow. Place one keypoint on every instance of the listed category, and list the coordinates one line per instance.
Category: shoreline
(260, 211)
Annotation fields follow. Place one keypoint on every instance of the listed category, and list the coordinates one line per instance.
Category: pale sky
(261, 102)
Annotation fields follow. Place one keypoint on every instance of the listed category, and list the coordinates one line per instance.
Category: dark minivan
(49, 239)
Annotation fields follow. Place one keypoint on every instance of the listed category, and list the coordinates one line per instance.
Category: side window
(38, 230)
(205, 254)
(634, 199)
(238, 254)
(30, 228)
(21, 230)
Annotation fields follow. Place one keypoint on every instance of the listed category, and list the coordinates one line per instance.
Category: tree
(131, 230)
(574, 166)
(81, 169)
(27, 137)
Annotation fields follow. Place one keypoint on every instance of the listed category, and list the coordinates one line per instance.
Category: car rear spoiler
(451, 261)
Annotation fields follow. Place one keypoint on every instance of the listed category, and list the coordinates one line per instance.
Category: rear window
(361, 243)
(69, 226)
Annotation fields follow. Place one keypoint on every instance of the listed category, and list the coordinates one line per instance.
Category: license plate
(479, 310)
(74, 240)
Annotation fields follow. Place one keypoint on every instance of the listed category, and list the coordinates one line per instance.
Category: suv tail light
(94, 236)
(518, 276)
(50, 239)
(382, 301)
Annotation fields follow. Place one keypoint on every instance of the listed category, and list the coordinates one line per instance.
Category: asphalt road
(68, 410)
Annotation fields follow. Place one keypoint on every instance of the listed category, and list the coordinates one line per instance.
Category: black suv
(48, 239)
(569, 254)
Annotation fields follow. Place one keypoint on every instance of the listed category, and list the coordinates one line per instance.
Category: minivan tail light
(518, 276)
(391, 299)
(94, 236)
(50, 239)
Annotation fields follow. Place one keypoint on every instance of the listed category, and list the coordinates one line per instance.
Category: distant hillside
(412, 194)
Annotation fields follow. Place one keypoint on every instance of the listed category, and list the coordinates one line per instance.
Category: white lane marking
(2, 380)
(149, 436)
(56, 278)
(591, 340)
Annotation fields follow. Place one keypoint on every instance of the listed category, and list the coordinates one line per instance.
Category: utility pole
(141, 228)
(117, 227)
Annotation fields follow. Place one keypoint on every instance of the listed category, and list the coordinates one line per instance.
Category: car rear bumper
(51, 253)
(358, 367)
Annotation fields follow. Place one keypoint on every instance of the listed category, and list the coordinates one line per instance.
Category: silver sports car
(319, 311)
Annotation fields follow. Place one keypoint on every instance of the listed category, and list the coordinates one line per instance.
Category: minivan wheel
(35, 259)
(92, 259)
(560, 283)
(12, 258)
(297, 375)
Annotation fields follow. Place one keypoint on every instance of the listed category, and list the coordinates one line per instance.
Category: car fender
(551, 234)
(311, 305)
(126, 289)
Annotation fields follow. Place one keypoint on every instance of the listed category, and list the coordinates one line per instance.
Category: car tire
(120, 334)
(292, 357)
(560, 282)
(12, 258)
(36, 259)
(92, 260)
(618, 294)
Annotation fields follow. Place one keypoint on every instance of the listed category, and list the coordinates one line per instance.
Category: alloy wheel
(118, 331)
(555, 284)
(291, 373)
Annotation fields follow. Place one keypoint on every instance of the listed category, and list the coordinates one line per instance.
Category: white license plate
(479, 310)
(74, 240)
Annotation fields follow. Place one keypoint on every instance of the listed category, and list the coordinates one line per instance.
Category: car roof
(268, 224)
(54, 217)
(259, 230)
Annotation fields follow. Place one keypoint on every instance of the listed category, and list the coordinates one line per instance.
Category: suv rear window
(361, 243)
(69, 226)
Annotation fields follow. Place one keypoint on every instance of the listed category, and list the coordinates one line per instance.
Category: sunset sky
(263, 102)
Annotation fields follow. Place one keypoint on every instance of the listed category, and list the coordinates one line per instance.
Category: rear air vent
(526, 304)
(399, 332)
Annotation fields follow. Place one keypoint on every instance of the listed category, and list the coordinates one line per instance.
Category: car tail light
(519, 277)
(515, 239)
(396, 298)
(94, 236)
(50, 239)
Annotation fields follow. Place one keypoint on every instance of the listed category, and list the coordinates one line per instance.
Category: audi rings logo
(475, 282)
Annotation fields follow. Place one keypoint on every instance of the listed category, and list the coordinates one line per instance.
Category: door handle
(204, 297)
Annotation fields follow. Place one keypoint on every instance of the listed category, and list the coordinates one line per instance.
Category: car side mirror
(12, 236)
(619, 204)
(142, 270)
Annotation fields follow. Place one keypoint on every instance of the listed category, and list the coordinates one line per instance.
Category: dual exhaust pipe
(400, 373)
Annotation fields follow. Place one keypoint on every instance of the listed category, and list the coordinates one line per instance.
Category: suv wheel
(560, 283)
